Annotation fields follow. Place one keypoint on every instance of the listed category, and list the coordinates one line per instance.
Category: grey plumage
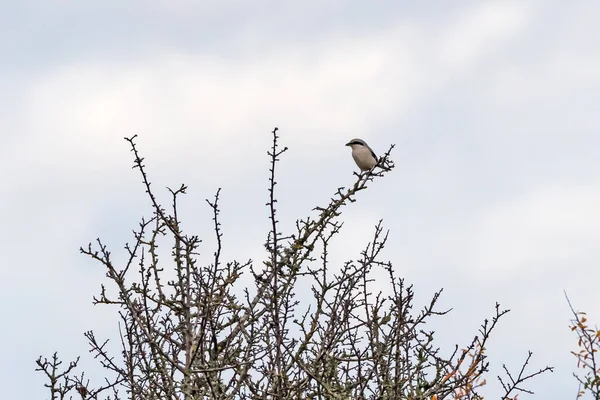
(362, 154)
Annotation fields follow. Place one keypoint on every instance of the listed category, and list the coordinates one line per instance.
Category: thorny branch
(297, 326)
(514, 382)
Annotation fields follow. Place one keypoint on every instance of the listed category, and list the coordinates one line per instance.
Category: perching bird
(363, 156)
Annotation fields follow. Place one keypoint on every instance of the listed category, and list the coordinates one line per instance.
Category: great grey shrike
(363, 156)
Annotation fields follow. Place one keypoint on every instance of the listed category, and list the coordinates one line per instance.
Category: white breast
(363, 158)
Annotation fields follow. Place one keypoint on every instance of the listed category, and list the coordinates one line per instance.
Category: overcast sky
(493, 107)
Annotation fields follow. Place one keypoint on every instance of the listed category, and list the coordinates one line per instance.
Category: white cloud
(478, 31)
(564, 68)
(548, 226)
(204, 108)
(199, 108)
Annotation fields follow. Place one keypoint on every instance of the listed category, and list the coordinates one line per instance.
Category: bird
(363, 156)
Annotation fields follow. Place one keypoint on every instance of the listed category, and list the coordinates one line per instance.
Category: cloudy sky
(493, 107)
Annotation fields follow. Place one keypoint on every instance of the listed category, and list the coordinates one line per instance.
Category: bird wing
(373, 154)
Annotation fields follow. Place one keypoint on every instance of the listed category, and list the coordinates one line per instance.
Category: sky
(493, 107)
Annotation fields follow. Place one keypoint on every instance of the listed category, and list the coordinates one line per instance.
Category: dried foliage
(588, 345)
(187, 331)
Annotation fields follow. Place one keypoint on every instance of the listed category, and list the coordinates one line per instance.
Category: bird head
(356, 143)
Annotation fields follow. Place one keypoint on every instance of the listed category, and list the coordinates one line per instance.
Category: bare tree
(238, 330)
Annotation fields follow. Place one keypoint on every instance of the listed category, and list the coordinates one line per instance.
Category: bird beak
(347, 144)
